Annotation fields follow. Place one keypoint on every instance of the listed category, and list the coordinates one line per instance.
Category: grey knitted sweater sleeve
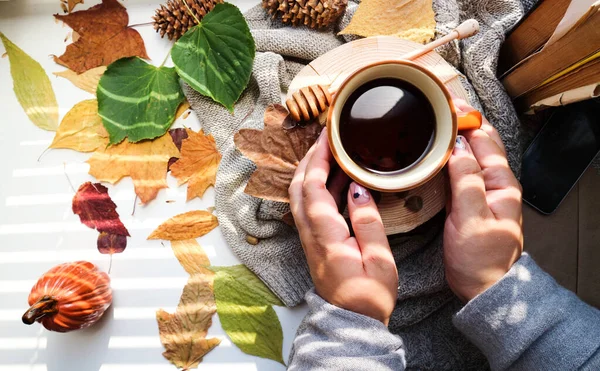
(331, 338)
(526, 321)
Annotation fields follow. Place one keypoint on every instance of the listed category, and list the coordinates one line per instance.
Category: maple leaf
(276, 152)
(109, 243)
(183, 333)
(408, 19)
(96, 210)
(184, 226)
(198, 163)
(104, 37)
(81, 129)
(145, 162)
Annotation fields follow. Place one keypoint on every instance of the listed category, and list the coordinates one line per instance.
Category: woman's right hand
(483, 235)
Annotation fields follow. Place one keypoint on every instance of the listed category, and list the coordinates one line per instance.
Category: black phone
(560, 154)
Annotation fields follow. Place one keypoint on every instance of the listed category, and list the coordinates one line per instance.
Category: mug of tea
(392, 125)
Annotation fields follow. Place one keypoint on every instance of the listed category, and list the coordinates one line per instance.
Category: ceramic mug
(447, 125)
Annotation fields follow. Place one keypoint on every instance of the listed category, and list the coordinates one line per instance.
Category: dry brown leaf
(69, 5)
(185, 226)
(198, 163)
(183, 333)
(276, 153)
(87, 81)
(191, 256)
(104, 37)
(408, 19)
(81, 129)
(145, 162)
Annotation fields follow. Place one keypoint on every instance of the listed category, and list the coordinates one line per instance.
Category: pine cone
(174, 19)
(311, 13)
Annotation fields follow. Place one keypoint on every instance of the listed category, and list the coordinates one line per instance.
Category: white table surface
(38, 230)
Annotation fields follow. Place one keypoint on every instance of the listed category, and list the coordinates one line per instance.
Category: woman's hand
(483, 236)
(354, 273)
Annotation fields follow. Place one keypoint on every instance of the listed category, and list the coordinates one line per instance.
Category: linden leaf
(183, 333)
(137, 100)
(191, 256)
(103, 37)
(184, 226)
(244, 305)
(215, 57)
(276, 152)
(96, 209)
(32, 87)
(81, 129)
(145, 162)
(87, 81)
(198, 163)
(109, 243)
(407, 19)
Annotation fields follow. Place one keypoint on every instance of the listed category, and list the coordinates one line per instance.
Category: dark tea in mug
(387, 125)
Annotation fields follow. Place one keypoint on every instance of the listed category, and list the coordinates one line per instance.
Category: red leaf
(96, 210)
(178, 135)
(111, 243)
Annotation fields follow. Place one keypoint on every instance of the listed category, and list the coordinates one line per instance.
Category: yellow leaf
(184, 226)
(81, 129)
(183, 333)
(198, 163)
(408, 19)
(183, 107)
(191, 256)
(145, 162)
(87, 81)
(32, 87)
(71, 4)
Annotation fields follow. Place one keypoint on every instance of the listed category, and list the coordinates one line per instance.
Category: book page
(567, 97)
(577, 13)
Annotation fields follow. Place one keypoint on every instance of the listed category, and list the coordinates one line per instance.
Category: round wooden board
(397, 209)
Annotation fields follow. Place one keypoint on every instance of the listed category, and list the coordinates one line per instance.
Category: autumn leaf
(276, 152)
(183, 107)
(81, 129)
(32, 87)
(145, 162)
(191, 256)
(407, 19)
(96, 209)
(87, 80)
(198, 163)
(178, 135)
(183, 333)
(68, 5)
(109, 243)
(104, 37)
(244, 306)
(184, 226)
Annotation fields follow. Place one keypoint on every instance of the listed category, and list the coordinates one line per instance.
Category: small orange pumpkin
(69, 297)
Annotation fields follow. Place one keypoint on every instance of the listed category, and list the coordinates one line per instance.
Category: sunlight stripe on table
(72, 168)
(114, 342)
(142, 283)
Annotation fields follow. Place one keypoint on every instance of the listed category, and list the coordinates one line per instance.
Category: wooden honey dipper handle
(308, 102)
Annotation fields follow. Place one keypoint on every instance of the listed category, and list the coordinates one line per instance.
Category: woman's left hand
(355, 273)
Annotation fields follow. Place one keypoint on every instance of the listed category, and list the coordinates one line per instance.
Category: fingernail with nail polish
(460, 142)
(360, 195)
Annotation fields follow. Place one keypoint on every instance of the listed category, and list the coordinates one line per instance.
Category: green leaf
(137, 100)
(245, 311)
(215, 58)
(32, 87)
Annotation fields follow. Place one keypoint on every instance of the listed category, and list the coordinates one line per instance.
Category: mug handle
(469, 120)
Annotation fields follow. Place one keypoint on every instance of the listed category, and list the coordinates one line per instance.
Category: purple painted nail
(460, 142)
(360, 195)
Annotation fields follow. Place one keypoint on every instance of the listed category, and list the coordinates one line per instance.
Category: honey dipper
(310, 101)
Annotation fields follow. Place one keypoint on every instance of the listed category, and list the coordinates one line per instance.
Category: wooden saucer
(401, 212)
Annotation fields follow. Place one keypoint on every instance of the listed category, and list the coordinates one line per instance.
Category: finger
(368, 229)
(466, 182)
(295, 189)
(326, 224)
(337, 184)
(463, 106)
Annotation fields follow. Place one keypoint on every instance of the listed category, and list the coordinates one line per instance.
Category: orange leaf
(184, 226)
(191, 256)
(104, 37)
(276, 152)
(145, 162)
(87, 81)
(198, 163)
